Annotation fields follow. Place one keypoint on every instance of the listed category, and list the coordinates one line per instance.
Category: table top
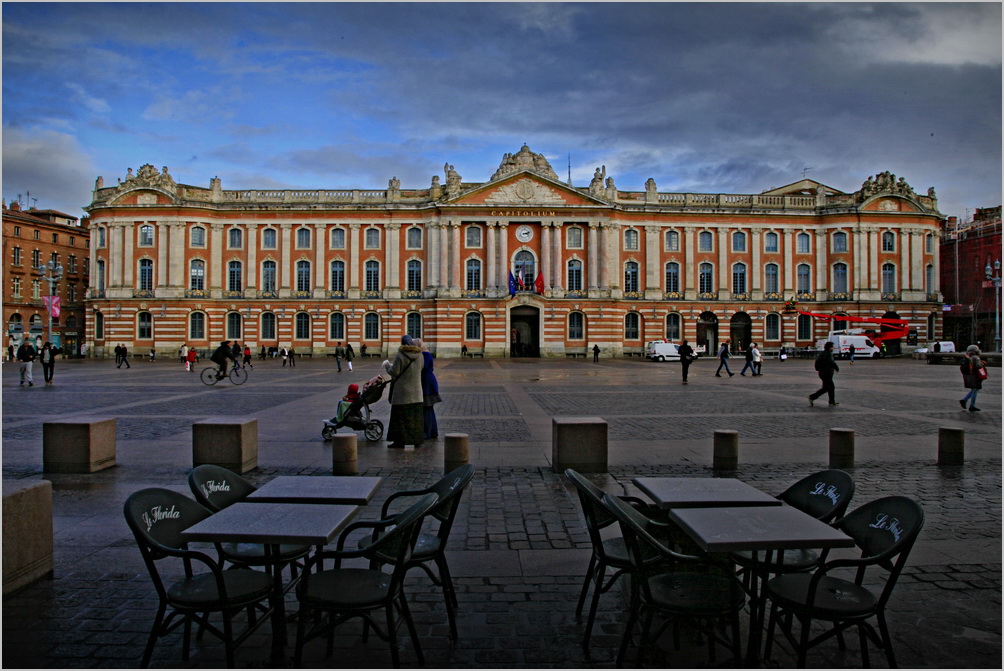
(348, 489)
(703, 492)
(730, 529)
(273, 523)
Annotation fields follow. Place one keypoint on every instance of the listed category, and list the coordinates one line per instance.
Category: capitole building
(523, 264)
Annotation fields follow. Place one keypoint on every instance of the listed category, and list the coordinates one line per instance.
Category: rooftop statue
(522, 160)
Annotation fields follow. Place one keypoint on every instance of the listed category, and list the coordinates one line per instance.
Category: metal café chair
(885, 531)
(701, 589)
(346, 592)
(431, 548)
(157, 517)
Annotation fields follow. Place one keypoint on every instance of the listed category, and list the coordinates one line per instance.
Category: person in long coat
(406, 426)
(430, 393)
(970, 368)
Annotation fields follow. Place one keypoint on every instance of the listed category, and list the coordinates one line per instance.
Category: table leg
(273, 566)
(758, 607)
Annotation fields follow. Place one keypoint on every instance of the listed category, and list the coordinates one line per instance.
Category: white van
(945, 346)
(660, 350)
(863, 346)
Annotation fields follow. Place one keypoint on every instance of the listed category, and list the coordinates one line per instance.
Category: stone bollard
(229, 442)
(27, 532)
(456, 452)
(579, 443)
(951, 446)
(344, 454)
(78, 444)
(841, 448)
(726, 454)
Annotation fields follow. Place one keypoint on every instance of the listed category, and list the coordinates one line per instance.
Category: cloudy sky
(709, 97)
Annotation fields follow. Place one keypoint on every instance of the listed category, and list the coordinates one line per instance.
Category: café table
(346, 489)
(767, 529)
(274, 524)
(669, 493)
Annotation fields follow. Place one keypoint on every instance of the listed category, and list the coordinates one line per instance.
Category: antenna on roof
(569, 168)
(805, 170)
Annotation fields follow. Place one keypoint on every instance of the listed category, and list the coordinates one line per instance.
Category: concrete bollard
(456, 452)
(726, 454)
(27, 532)
(230, 442)
(78, 444)
(951, 446)
(579, 443)
(841, 448)
(344, 454)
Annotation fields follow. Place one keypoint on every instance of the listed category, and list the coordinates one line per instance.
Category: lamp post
(51, 272)
(994, 277)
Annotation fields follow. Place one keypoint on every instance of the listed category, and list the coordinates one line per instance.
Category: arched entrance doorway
(707, 333)
(524, 331)
(891, 346)
(740, 331)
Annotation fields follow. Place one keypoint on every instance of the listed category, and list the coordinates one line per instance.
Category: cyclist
(220, 357)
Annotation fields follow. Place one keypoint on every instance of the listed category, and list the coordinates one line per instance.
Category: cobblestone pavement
(519, 548)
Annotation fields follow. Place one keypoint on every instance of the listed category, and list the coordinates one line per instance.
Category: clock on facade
(524, 234)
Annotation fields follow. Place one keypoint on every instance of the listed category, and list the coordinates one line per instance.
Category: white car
(660, 350)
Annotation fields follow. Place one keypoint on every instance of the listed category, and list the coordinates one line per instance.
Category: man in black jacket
(826, 366)
(25, 357)
(220, 357)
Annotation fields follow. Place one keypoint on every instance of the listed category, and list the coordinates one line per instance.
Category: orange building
(177, 264)
(32, 238)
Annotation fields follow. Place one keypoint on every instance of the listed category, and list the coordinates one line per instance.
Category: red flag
(538, 284)
(52, 303)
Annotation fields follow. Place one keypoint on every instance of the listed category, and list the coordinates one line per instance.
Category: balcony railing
(672, 295)
(197, 293)
(371, 294)
(840, 296)
(300, 293)
(741, 297)
(412, 293)
(633, 295)
(805, 295)
(773, 296)
(96, 293)
(892, 296)
(576, 293)
(335, 294)
(143, 293)
(707, 296)
(472, 293)
(933, 297)
(233, 294)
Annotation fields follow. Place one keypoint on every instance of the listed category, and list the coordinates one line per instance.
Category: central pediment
(525, 189)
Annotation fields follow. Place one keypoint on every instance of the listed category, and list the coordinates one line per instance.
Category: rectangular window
(17, 256)
(36, 289)
(473, 275)
(802, 243)
(573, 238)
(146, 236)
(413, 238)
(372, 238)
(473, 236)
(55, 238)
(804, 327)
(770, 242)
(672, 241)
(36, 258)
(338, 238)
(17, 231)
(17, 287)
(269, 239)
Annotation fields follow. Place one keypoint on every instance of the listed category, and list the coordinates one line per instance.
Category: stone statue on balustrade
(596, 185)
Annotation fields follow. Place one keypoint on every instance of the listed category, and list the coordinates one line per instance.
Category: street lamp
(994, 277)
(51, 272)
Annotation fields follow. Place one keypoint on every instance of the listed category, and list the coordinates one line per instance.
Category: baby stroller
(356, 414)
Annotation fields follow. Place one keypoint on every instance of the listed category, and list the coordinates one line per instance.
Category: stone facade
(178, 264)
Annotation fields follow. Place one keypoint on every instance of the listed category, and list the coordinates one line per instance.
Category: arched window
(414, 275)
(705, 278)
(839, 241)
(234, 325)
(929, 283)
(302, 326)
(673, 276)
(198, 236)
(804, 327)
(336, 329)
(630, 239)
(803, 278)
(705, 241)
(146, 275)
(473, 236)
(576, 326)
(770, 242)
(472, 326)
(372, 238)
(473, 275)
(102, 237)
(839, 322)
(144, 326)
(631, 326)
(524, 268)
(413, 325)
(888, 242)
(772, 327)
(802, 243)
(268, 326)
(372, 269)
(840, 278)
(888, 278)
(197, 275)
(770, 277)
(146, 235)
(672, 241)
(574, 275)
(303, 274)
(99, 325)
(235, 238)
(371, 326)
(303, 238)
(338, 238)
(738, 278)
(197, 326)
(414, 238)
(235, 278)
(101, 275)
(269, 239)
(268, 276)
(738, 241)
(929, 243)
(932, 324)
(673, 329)
(35, 322)
(573, 237)
(630, 276)
(338, 276)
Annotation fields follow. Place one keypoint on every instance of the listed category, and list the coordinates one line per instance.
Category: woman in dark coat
(406, 426)
(970, 368)
(430, 392)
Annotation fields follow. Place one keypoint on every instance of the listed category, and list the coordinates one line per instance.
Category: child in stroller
(354, 411)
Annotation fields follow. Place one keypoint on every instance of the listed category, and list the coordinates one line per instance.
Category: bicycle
(210, 376)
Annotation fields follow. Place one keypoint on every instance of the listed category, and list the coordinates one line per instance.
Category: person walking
(757, 360)
(826, 366)
(406, 425)
(25, 357)
(292, 356)
(350, 355)
(723, 360)
(339, 355)
(124, 356)
(749, 361)
(47, 357)
(284, 354)
(190, 359)
(247, 357)
(183, 353)
(10, 352)
(850, 353)
(596, 353)
(686, 353)
(974, 371)
(430, 393)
